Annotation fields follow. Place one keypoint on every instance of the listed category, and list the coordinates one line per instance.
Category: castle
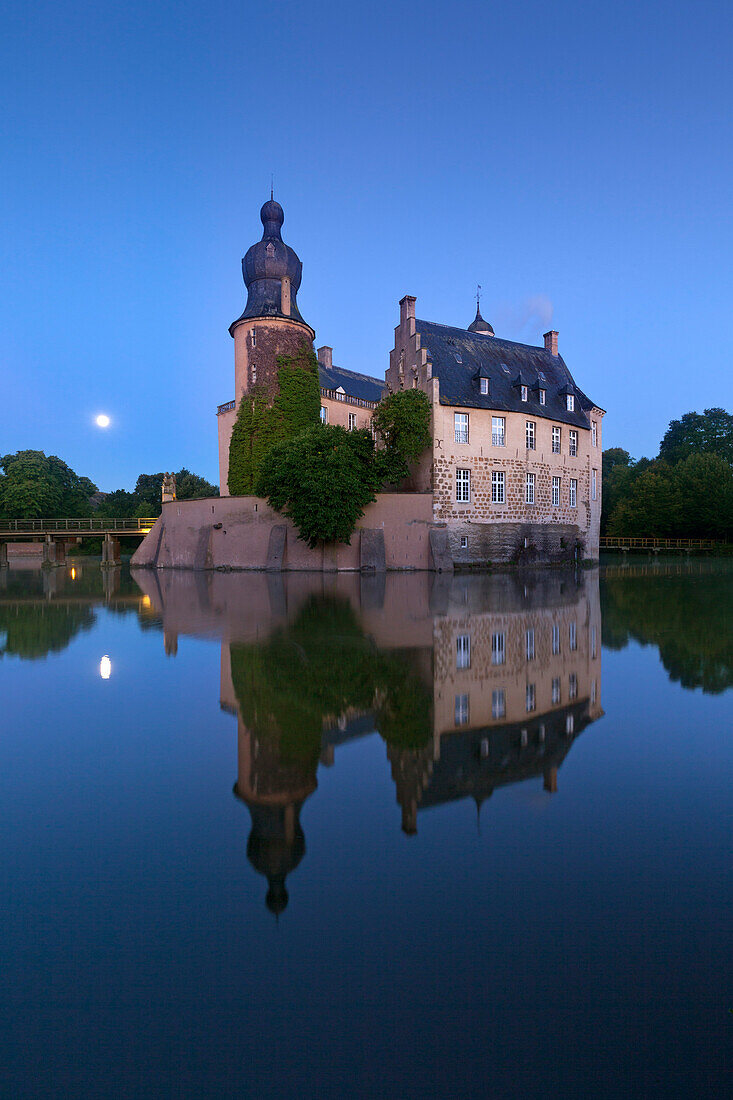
(514, 470)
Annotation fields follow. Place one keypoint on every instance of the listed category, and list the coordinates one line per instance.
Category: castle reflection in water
(474, 682)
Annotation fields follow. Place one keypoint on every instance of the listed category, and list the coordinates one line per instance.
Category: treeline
(685, 492)
(34, 485)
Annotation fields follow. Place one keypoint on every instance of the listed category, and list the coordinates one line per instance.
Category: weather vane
(272, 185)
(478, 295)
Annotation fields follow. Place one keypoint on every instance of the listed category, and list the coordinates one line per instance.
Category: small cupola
(483, 328)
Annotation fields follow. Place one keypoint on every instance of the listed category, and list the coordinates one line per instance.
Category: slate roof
(460, 357)
(362, 386)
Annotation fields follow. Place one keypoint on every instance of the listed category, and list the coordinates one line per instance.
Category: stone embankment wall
(245, 533)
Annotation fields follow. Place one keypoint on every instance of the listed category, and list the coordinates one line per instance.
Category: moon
(102, 421)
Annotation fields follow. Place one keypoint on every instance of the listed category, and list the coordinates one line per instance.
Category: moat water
(315, 836)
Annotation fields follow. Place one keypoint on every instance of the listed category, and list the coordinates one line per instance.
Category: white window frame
(555, 638)
(498, 703)
(556, 483)
(570, 402)
(573, 492)
(556, 690)
(324, 415)
(530, 698)
(594, 485)
(529, 489)
(594, 433)
(460, 427)
(352, 422)
(529, 644)
(498, 487)
(573, 635)
(484, 385)
(253, 338)
(569, 724)
(556, 439)
(573, 444)
(498, 431)
(543, 397)
(464, 542)
(463, 651)
(572, 686)
(498, 648)
(530, 435)
(253, 373)
(463, 486)
(461, 710)
(523, 393)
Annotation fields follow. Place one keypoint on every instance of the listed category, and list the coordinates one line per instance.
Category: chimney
(325, 356)
(551, 342)
(285, 295)
(407, 308)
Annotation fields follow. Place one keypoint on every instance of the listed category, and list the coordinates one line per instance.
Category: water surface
(308, 836)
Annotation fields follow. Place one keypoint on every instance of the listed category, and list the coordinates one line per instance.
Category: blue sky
(574, 159)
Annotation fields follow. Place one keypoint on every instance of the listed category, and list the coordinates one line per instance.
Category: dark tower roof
(265, 265)
(479, 325)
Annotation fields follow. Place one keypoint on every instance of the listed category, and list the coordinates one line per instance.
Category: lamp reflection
(105, 668)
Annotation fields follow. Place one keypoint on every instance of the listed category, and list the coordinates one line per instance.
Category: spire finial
(272, 186)
(478, 296)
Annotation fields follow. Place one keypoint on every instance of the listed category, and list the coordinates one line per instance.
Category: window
(530, 698)
(524, 738)
(543, 395)
(569, 724)
(573, 492)
(573, 447)
(523, 392)
(461, 427)
(484, 384)
(324, 415)
(498, 648)
(541, 732)
(463, 486)
(461, 710)
(253, 337)
(463, 651)
(555, 491)
(529, 434)
(572, 686)
(570, 402)
(498, 487)
(498, 704)
(498, 426)
(556, 690)
(556, 438)
(593, 485)
(573, 635)
(594, 433)
(464, 542)
(529, 644)
(352, 421)
(529, 489)
(556, 639)
(253, 373)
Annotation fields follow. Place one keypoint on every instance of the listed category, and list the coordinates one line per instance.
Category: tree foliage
(708, 433)
(322, 479)
(402, 420)
(261, 424)
(34, 485)
(146, 498)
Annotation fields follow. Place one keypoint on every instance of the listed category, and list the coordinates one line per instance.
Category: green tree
(708, 433)
(616, 475)
(322, 479)
(704, 484)
(651, 504)
(402, 420)
(35, 485)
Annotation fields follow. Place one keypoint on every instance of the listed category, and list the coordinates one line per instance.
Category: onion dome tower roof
(479, 325)
(264, 267)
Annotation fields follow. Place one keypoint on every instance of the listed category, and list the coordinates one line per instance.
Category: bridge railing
(612, 542)
(74, 526)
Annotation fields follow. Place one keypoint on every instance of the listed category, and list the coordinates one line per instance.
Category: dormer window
(484, 385)
(523, 392)
(570, 402)
(543, 397)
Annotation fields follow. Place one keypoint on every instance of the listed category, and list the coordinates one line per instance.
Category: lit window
(463, 651)
(572, 686)
(463, 486)
(498, 704)
(593, 485)
(498, 648)
(324, 415)
(498, 487)
(570, 402)
(556, 690)
(556, 639)
(573, 635)
(594, 433)
(464, 542)
(352, 421)
(530, 698)
(461, 427)
(573, 445)
(556, 438)
(523, 391)
(253, 337)
(461, 710)
(529, 644)
(555, 491)
(543, 395)
(529, 489)
(573, 492)
(484, 383)
(498, 430)
(529, 434)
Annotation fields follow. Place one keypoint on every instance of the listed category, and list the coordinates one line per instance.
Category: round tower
(270, 324)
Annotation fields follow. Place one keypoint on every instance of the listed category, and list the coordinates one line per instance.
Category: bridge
(654, 545)
(56, 534)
